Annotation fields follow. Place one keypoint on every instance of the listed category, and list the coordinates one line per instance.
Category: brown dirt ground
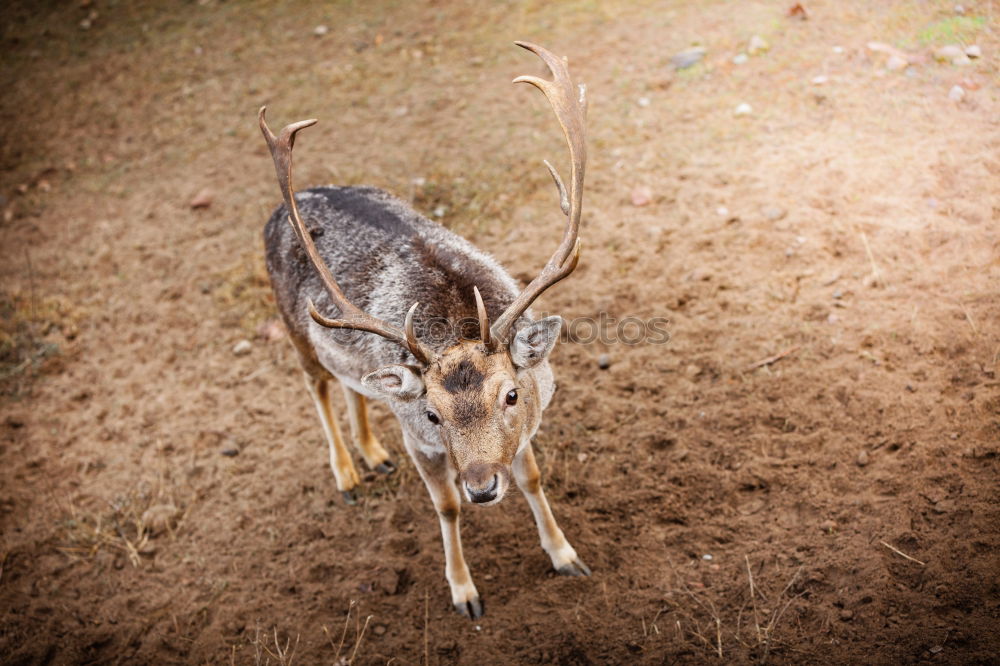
(121, 305)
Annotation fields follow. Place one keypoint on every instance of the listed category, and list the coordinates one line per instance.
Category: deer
(356, 273)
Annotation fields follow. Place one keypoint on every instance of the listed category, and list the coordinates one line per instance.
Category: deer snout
(484, 484)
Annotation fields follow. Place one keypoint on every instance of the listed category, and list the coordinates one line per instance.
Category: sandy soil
(163, 500)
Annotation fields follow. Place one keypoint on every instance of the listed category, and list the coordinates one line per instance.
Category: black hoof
(386, 468)
(471, 609)
(350, 497)
(577, 568)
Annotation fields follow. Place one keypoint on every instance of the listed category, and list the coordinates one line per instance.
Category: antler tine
(570, 106)
(352, 317)
(484, 319)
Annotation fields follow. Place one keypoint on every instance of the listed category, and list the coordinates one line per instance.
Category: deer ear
(533, 343)
(395, 381)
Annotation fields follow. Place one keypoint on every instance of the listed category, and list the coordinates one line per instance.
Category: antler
(352, 317)
(570, 106)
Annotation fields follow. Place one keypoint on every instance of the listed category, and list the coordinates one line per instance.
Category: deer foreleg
(439, 478)
(340, 460)
(376, 457)
(529, 480)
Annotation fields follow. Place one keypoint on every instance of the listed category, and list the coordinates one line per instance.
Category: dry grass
(124, 525)
(271, 647)
(340, 658)
(751, 631)
(32, 326)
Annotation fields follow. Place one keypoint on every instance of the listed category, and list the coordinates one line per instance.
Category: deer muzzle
(485, 483)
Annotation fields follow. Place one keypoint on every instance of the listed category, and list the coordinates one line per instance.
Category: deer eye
(512, 397)
(433, 418)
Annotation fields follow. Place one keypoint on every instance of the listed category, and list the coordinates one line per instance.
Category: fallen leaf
(798, 11)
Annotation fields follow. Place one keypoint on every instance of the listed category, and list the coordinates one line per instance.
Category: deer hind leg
(564, 558)
(376, 457)
(439, 478)
(340, 459)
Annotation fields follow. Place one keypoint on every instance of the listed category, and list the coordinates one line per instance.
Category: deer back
(385, 257)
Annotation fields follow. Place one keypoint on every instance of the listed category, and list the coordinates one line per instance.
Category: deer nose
(485, 493)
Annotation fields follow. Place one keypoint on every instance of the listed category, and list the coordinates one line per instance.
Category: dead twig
(774, 359)
(899, 552)
(343, 634)
(753, 599)
(968, 317)
(876, 276)
(427, 658)
(357, 642)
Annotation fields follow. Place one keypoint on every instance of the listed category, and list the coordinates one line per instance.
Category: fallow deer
(468, 408)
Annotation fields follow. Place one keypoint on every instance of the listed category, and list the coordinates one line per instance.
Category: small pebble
(974, 51)
(896, 62)
(722, 211)
(379, 629)
(604, 361)
(320, 30)
(775, 213)
(740, 58)
(160, 518)
(819, 80)
(203, 199)
(644, 102)
(948, 53)
(641, 196)
(271, 330)
(838, 294)
(956, 94)
(757, 45)
(706, 557)
(862, 458)
(230, 452)
(828, 526)
(838, 49)
(687, 58)
(743, 109)
(242, 348)
(846, 614)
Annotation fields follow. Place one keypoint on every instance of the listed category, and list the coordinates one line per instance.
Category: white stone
(757, 45)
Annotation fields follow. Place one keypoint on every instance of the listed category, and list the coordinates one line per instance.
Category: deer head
(481, 399)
